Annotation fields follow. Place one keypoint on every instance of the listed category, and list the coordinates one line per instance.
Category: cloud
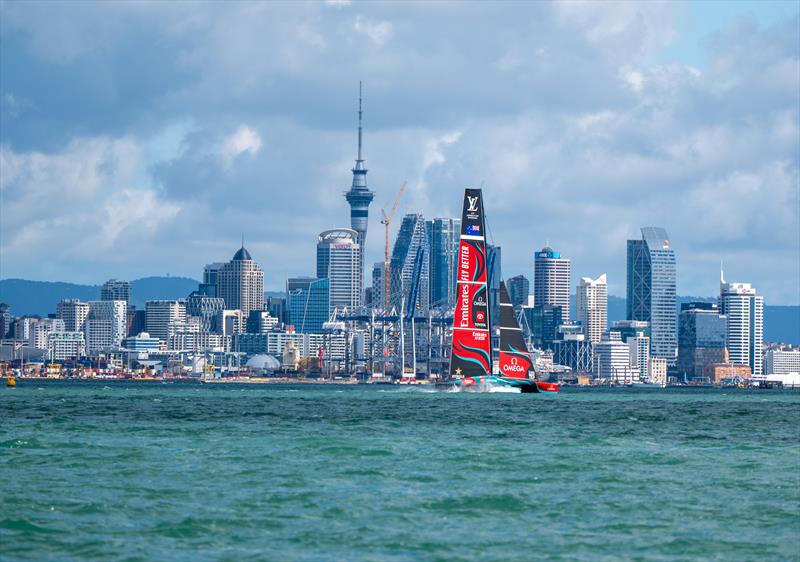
(379, 32)
(244, 139)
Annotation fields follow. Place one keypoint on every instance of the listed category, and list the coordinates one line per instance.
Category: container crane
(386, 220)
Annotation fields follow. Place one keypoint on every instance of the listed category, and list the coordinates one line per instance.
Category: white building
(65, 345)
(781, 361)
(551, 275)
(241, 283)
(231, 322)
(159, 315)
(745, 327)
(612, 360)
(106, 325)
(74, 313)
(42, 328)
(591, 301)
(658, 370)
(339, 260)
(639, 349)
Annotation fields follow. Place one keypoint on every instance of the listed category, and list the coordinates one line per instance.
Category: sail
(515, 361)
(471, 352)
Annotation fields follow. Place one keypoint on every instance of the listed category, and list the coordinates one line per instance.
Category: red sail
(471, 354)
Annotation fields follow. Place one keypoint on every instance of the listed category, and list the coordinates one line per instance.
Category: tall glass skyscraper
(551, 277)
(518, 290)
(745, 326)
(339, 260)
(307, 304)
(443, 238)
(408, 268)
(701, 338)
(651, 293)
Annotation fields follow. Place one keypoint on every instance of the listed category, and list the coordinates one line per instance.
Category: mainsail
(515, 361)
(471, 352)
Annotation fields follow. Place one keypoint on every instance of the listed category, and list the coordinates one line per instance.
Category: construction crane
(386, 220)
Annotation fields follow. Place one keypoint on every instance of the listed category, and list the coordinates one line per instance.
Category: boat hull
(500, 384)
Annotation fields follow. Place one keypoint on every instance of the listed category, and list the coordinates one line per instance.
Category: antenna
(242, 239)
(359, 119)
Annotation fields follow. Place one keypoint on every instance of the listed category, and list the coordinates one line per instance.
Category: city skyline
(166, 181)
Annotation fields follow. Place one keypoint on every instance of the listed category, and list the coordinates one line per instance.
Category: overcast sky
(144, 138)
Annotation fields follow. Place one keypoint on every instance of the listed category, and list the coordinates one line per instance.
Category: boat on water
(471, 349)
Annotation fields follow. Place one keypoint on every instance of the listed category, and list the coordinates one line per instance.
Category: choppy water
(198, 472)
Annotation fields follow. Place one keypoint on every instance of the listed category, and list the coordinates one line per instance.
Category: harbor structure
(551, 280)
(339, 261)
(240, 282)
(359, 197)
(701, 338)
(744, 310)
(591, 301)
(443, 237)
(651, 289)
(116, 290)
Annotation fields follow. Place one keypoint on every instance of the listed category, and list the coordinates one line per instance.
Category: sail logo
(473, 229)
(513, 366)
(472, 204)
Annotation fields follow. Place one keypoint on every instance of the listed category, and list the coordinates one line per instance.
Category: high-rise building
(551, 277)
(701, 338)
(613, 360)
(307, 303)
(161, 314)
(6, 319)
(359, 197)
(116, 290)
(339, 261)
(41, 329)
(209, 285)
(443, 240)
(543, 322)
(205, 308)
(745, 327)
(106, 325)
(639, 349)
(591, 300)
(518, 290)
(408, 271)
(651, 289)
(573, 350)
(378, 285)
(74, 313)
(240, 282)
(65, 345)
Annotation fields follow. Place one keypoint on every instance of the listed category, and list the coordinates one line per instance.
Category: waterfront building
(651, 286)
(160, 314)
(40, 330)
(359, 197)
(116, 290)
(142, 342)
(69, 344)
(543, 322)
(339, 260)
(591, 301)
(518, 289)
(205, 308)
(307, 303)
(74, 313)
(781, 361)
(444, 235)
(639, 350)
(612, 360)
(744, 310)
(24, 326)
(658, 371)
(408, 272)
(240, 282)
(717, 372)
(551, 280)
(701, 338)
(6, 320)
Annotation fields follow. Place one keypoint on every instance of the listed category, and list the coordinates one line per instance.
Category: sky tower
(359, 197)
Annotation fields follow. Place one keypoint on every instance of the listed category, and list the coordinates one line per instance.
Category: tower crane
(386, 220)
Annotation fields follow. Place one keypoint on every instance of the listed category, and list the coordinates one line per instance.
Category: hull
(500, 384)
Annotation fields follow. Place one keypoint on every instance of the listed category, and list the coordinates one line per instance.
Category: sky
(146, 138)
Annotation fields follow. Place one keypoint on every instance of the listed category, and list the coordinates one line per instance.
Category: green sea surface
(139, 471)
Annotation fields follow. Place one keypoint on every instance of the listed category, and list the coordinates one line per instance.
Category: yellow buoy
(11, 381)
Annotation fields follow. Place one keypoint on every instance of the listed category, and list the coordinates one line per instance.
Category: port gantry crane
(386, 220)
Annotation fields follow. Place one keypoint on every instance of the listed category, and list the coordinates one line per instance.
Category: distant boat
(471, 350)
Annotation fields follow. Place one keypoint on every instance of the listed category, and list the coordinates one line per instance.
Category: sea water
(150, 471)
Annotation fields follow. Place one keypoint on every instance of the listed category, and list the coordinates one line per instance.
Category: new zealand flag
(473, 229)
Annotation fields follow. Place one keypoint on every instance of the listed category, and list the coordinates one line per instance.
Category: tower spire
(359, 120)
